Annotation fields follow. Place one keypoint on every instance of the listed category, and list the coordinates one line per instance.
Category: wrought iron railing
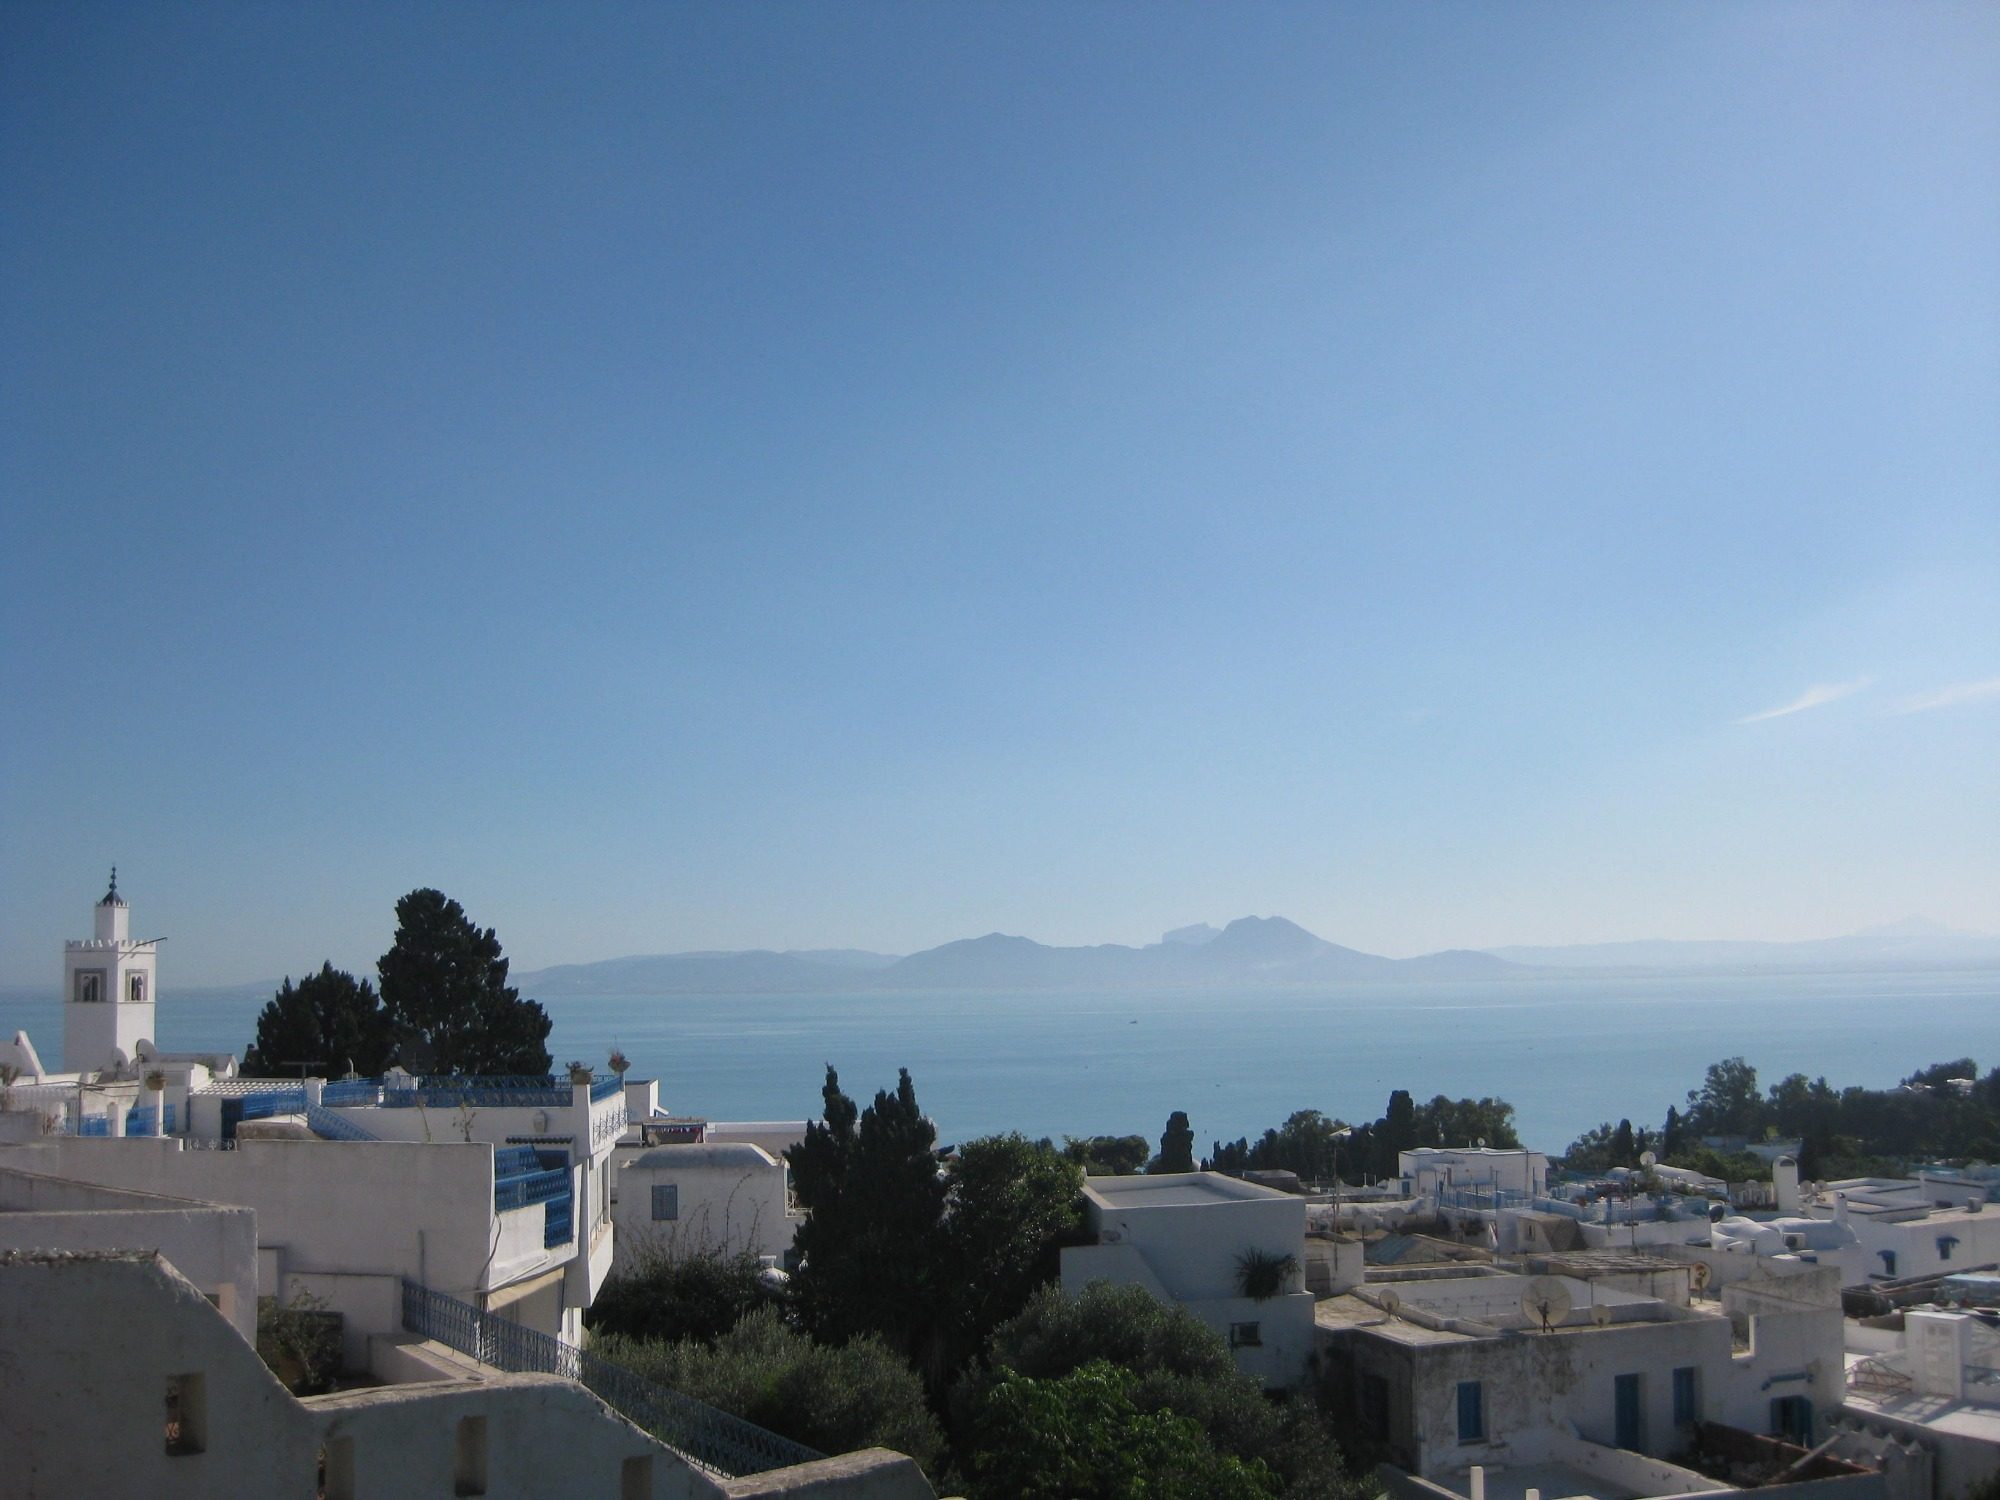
(261, 1106)
(333, 1127)
(445, 1091)
(143, 1121)
(534, 1187)
(559, 1222)
(699, 1432)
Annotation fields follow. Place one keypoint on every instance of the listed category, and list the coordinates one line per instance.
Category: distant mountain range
(1251, 951)
(1913, 942)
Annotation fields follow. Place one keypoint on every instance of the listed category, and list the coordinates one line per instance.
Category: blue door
(1625, 1401)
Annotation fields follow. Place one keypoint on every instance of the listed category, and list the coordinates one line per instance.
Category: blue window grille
(1471, 1412)
(666, 1201)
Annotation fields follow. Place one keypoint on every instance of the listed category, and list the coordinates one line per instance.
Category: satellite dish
(1648, 1160)
(1600, 1315)
(1546, 1301)
(1388, 1301)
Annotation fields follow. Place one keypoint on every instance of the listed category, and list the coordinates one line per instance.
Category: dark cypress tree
(1176, 1145)
(329, 1021)
(444, 986)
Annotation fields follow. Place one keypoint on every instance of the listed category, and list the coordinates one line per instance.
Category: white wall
(214, 1247)
(1180, 1236)
(728, 1207)
(335, 1208)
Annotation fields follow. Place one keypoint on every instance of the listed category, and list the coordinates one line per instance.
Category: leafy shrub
(671, 1298)
(300, 1341)
(859, 1395)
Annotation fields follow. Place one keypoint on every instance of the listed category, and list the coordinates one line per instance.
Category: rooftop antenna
(1547, 1299)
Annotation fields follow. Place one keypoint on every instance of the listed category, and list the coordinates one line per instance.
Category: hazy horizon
(706, 478)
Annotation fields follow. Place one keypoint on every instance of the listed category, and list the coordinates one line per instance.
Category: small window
(187, 1415)
(1687, 1396)
(135, 988)
(1946, 1244)
(1471, 1412)
(89, 986)
(1246, 1335)
(635, 1479)
(1888, 1262)
(471, 1458)
(666, 1201)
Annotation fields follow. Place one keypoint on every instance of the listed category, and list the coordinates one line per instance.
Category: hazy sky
(721, 476)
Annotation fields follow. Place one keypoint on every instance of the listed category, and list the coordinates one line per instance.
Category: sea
(1568, 1052)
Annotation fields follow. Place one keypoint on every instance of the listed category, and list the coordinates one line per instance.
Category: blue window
(1629, 1411)
(1687, 1396)
(1946, 1244)
(1888, 1262)
(1471, 1412)
(666, 1201)
(1792, 1419)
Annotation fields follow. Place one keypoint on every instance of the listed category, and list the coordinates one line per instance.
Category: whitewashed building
(1192, 1239)
(714, 1197)
(1479, 1370)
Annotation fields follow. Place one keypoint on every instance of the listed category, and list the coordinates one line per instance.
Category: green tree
(1465, 1122)
(1624, 1153)
(1083, 1436)
(444, 986)
(1727, 1103)
(1182, 1367)
(1107, 1155)
(835, 1399)
(672, 1299)
(1010, 1205)
(1176, 1145)
(871, 1245)
(329, 1020)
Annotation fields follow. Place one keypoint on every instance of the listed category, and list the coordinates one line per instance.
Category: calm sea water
(1567, 1052)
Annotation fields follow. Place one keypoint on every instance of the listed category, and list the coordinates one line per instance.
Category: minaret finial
(114, 880)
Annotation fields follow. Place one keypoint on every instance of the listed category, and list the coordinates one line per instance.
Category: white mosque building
(114, 1079)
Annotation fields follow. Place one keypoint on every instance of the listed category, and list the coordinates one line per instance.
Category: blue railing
(603, 1088)
(448, 1092)
(94, 1125)
(142, 1121)
(536, 1187)
(715, 1439)
(330, 1126)
(270, 1102)
(558, 1222)
(350, 1091)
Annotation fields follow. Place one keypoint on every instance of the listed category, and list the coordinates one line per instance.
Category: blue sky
(724, 476)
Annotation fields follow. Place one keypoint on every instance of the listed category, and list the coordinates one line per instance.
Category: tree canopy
(445, 990)
(329, 1023)
(931, 1256)
(873, 1194)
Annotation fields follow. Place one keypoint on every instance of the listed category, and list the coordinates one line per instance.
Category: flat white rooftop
(1176, 1190)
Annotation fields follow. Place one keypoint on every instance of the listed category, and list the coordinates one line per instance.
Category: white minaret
(107, 991)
